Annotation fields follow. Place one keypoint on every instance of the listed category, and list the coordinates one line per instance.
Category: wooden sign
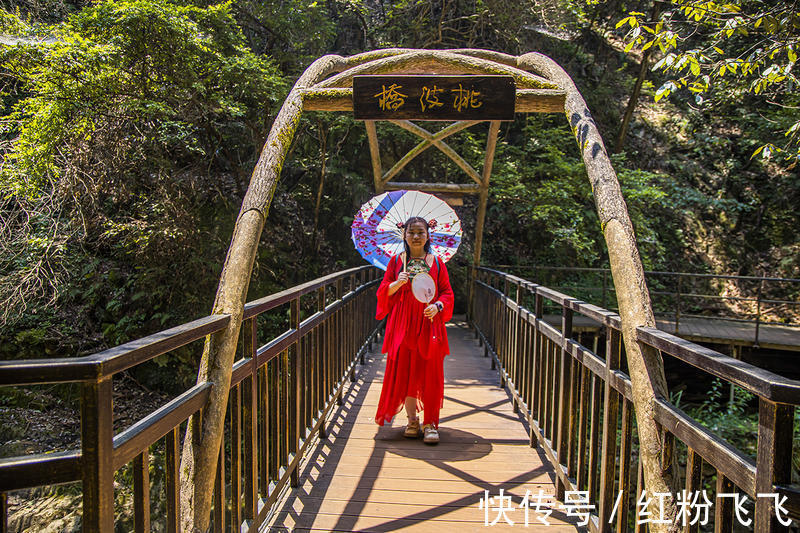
(434, 97)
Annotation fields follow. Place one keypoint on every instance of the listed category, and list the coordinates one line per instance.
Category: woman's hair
(424, 222)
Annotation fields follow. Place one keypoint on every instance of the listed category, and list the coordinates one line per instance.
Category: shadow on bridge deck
(366, 478)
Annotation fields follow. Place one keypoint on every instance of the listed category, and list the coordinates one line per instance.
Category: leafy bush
(127, 139)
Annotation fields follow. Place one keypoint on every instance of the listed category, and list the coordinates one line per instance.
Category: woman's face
(416, 235)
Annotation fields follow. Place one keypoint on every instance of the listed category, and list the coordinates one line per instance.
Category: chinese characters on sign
(434, 97)
(694, 508)
(429, 98)
(391, 98)
(466, 98)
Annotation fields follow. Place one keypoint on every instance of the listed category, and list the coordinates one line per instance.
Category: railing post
(774, 460)
(3, 512)
(364, 340)
(678, 305)
(477, 315)
(250, 422)
(539, 367)
(470, 295)
(352, 340)
(338, 343)
(97, 448)
(321, 394)
(317, 396)
(608, 453)
(219, 492)
(758, 309)
(505, 342)
(296, 417)
(141, 490)
(172, 481)
(235, 408)
(565, 380)
(514, 351)
(494, 320)
(694, 479)
(723, 507)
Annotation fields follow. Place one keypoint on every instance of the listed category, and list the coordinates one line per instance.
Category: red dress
(414, 365)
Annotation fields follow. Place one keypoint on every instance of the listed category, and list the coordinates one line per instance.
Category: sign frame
(431, 97)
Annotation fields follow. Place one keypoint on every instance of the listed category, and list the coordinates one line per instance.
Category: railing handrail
(648, 272)
(559, 385)
(759, 381)
(677, 311)
(272, 301)
(132, 443)
(119, 358)
(111, 361)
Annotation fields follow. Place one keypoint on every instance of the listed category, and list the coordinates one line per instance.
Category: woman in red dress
(416, 339)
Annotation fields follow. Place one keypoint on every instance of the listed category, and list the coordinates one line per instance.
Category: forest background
(130, 129)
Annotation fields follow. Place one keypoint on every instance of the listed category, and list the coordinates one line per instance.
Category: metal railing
(579, 407)
(280, 395)
(756, 300)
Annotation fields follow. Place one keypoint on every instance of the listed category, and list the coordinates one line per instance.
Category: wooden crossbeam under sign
(445, 188)
(452, 193)
(433, 97)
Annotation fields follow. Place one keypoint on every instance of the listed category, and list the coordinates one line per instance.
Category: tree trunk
(201, 451)
(323, 137)
(644, 362)
(637, 89)
(634, 99)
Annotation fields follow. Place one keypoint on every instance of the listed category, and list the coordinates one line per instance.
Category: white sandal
(431, 435)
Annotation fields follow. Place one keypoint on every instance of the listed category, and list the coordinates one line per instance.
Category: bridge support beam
(491, 144)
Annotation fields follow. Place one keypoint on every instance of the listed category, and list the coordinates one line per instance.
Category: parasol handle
(431, 319)
(405, 262)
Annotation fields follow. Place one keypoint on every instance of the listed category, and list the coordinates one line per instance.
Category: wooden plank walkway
(773, 336)
(366, 478)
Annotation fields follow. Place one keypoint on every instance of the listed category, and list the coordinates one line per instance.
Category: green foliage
(731, 418)
(541, 200)
(171, 82)
(491, 24)
(128, 144)
(126, 138)
(296, 32)
(729, 49)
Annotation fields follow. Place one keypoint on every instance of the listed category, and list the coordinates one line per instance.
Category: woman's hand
(431, 311)
(402, 279)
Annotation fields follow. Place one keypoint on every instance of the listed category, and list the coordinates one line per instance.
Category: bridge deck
(365, 478)
(773, 336)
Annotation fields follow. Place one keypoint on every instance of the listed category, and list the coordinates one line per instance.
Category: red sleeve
(386, 302)
(445, 292)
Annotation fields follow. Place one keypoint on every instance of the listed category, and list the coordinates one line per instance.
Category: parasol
(376, 234)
